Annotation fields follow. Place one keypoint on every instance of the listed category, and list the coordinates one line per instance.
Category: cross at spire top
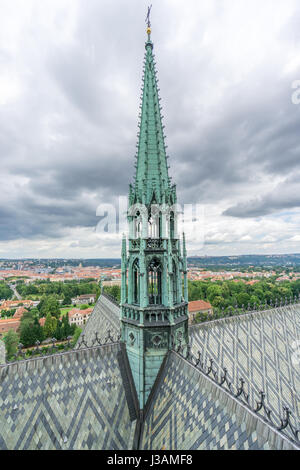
(148, 16)
(148, 22)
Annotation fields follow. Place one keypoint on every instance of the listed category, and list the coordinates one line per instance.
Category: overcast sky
(70, 78)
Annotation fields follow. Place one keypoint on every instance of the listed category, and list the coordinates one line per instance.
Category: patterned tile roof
(78, 400)
(259, 348)
(2, 352)
(104, 318)
(85, 398)
(189, 411)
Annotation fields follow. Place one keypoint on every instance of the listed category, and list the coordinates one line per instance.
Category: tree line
(228, 295)
(5, 291)
(64, 290)
(224, 294)
(31, 331)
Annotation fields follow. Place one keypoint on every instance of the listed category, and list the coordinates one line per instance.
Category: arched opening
(136, 282)
(167, 226)
(172, 225)
(175, 296)
(154, 220)
(152, 225)
(138, 225)
(155, 282)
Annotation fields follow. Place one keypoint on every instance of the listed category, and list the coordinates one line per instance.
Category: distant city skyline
(70, 75)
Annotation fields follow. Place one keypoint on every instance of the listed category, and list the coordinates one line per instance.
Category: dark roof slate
(189, 411)
(260, 348)
(2, 352)
(104, 319)
(75, 400)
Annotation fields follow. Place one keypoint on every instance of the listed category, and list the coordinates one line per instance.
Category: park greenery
(5, 291)
(224, 294)
(113, 291)
(234, 297)
(31, 331)
(63, 290)
(55, 300)
(7, 313)
(226, 297)
(11, 341)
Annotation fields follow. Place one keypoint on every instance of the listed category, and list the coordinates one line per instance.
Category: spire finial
(148, 21)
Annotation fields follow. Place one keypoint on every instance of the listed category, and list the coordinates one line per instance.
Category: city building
(113, 282)
(20, 312)
(8, 324)
(11, 304)
(199, 306)
(79, 317)
(84, 299)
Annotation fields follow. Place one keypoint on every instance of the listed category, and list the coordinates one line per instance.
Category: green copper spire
(152, 182)
(154, 309)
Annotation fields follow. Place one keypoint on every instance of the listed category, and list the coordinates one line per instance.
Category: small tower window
(138, 225)
(151, 231)
(136, 282)
(154, 226)
(155, 282)
(175, 296)
(154, 222)
(172, 225)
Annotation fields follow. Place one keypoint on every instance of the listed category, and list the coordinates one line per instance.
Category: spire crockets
(152, 182)
(154, 312)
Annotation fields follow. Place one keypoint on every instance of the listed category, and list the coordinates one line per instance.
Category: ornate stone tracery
(155, 269)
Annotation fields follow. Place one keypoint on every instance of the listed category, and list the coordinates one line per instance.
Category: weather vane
(148, 16)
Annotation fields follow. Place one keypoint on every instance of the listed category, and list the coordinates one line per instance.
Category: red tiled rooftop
(20, 312)
(198, 305)
(84, 313)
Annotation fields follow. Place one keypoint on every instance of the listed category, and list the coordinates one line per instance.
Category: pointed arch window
(155, 282)
(154, 221)
(152, 227)
(172, 225)
(138, 225)
(175, 296)
(136, 282)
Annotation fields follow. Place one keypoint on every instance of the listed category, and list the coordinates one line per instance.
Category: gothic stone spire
(152, 180)
(154, 313)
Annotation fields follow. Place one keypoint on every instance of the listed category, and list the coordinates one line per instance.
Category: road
(16, 293)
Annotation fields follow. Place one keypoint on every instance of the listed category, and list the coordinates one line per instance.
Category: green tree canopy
(243, 299)
(84, 307)
(76, 335)
(11, 340)
(30, 333)
(50, 326)
(5, 291)
(214, 291)
(50, 305)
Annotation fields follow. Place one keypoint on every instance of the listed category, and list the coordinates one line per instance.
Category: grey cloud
(72, 133)
(285, 196)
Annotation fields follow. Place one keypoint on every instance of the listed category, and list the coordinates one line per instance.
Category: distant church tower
(154, 294)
